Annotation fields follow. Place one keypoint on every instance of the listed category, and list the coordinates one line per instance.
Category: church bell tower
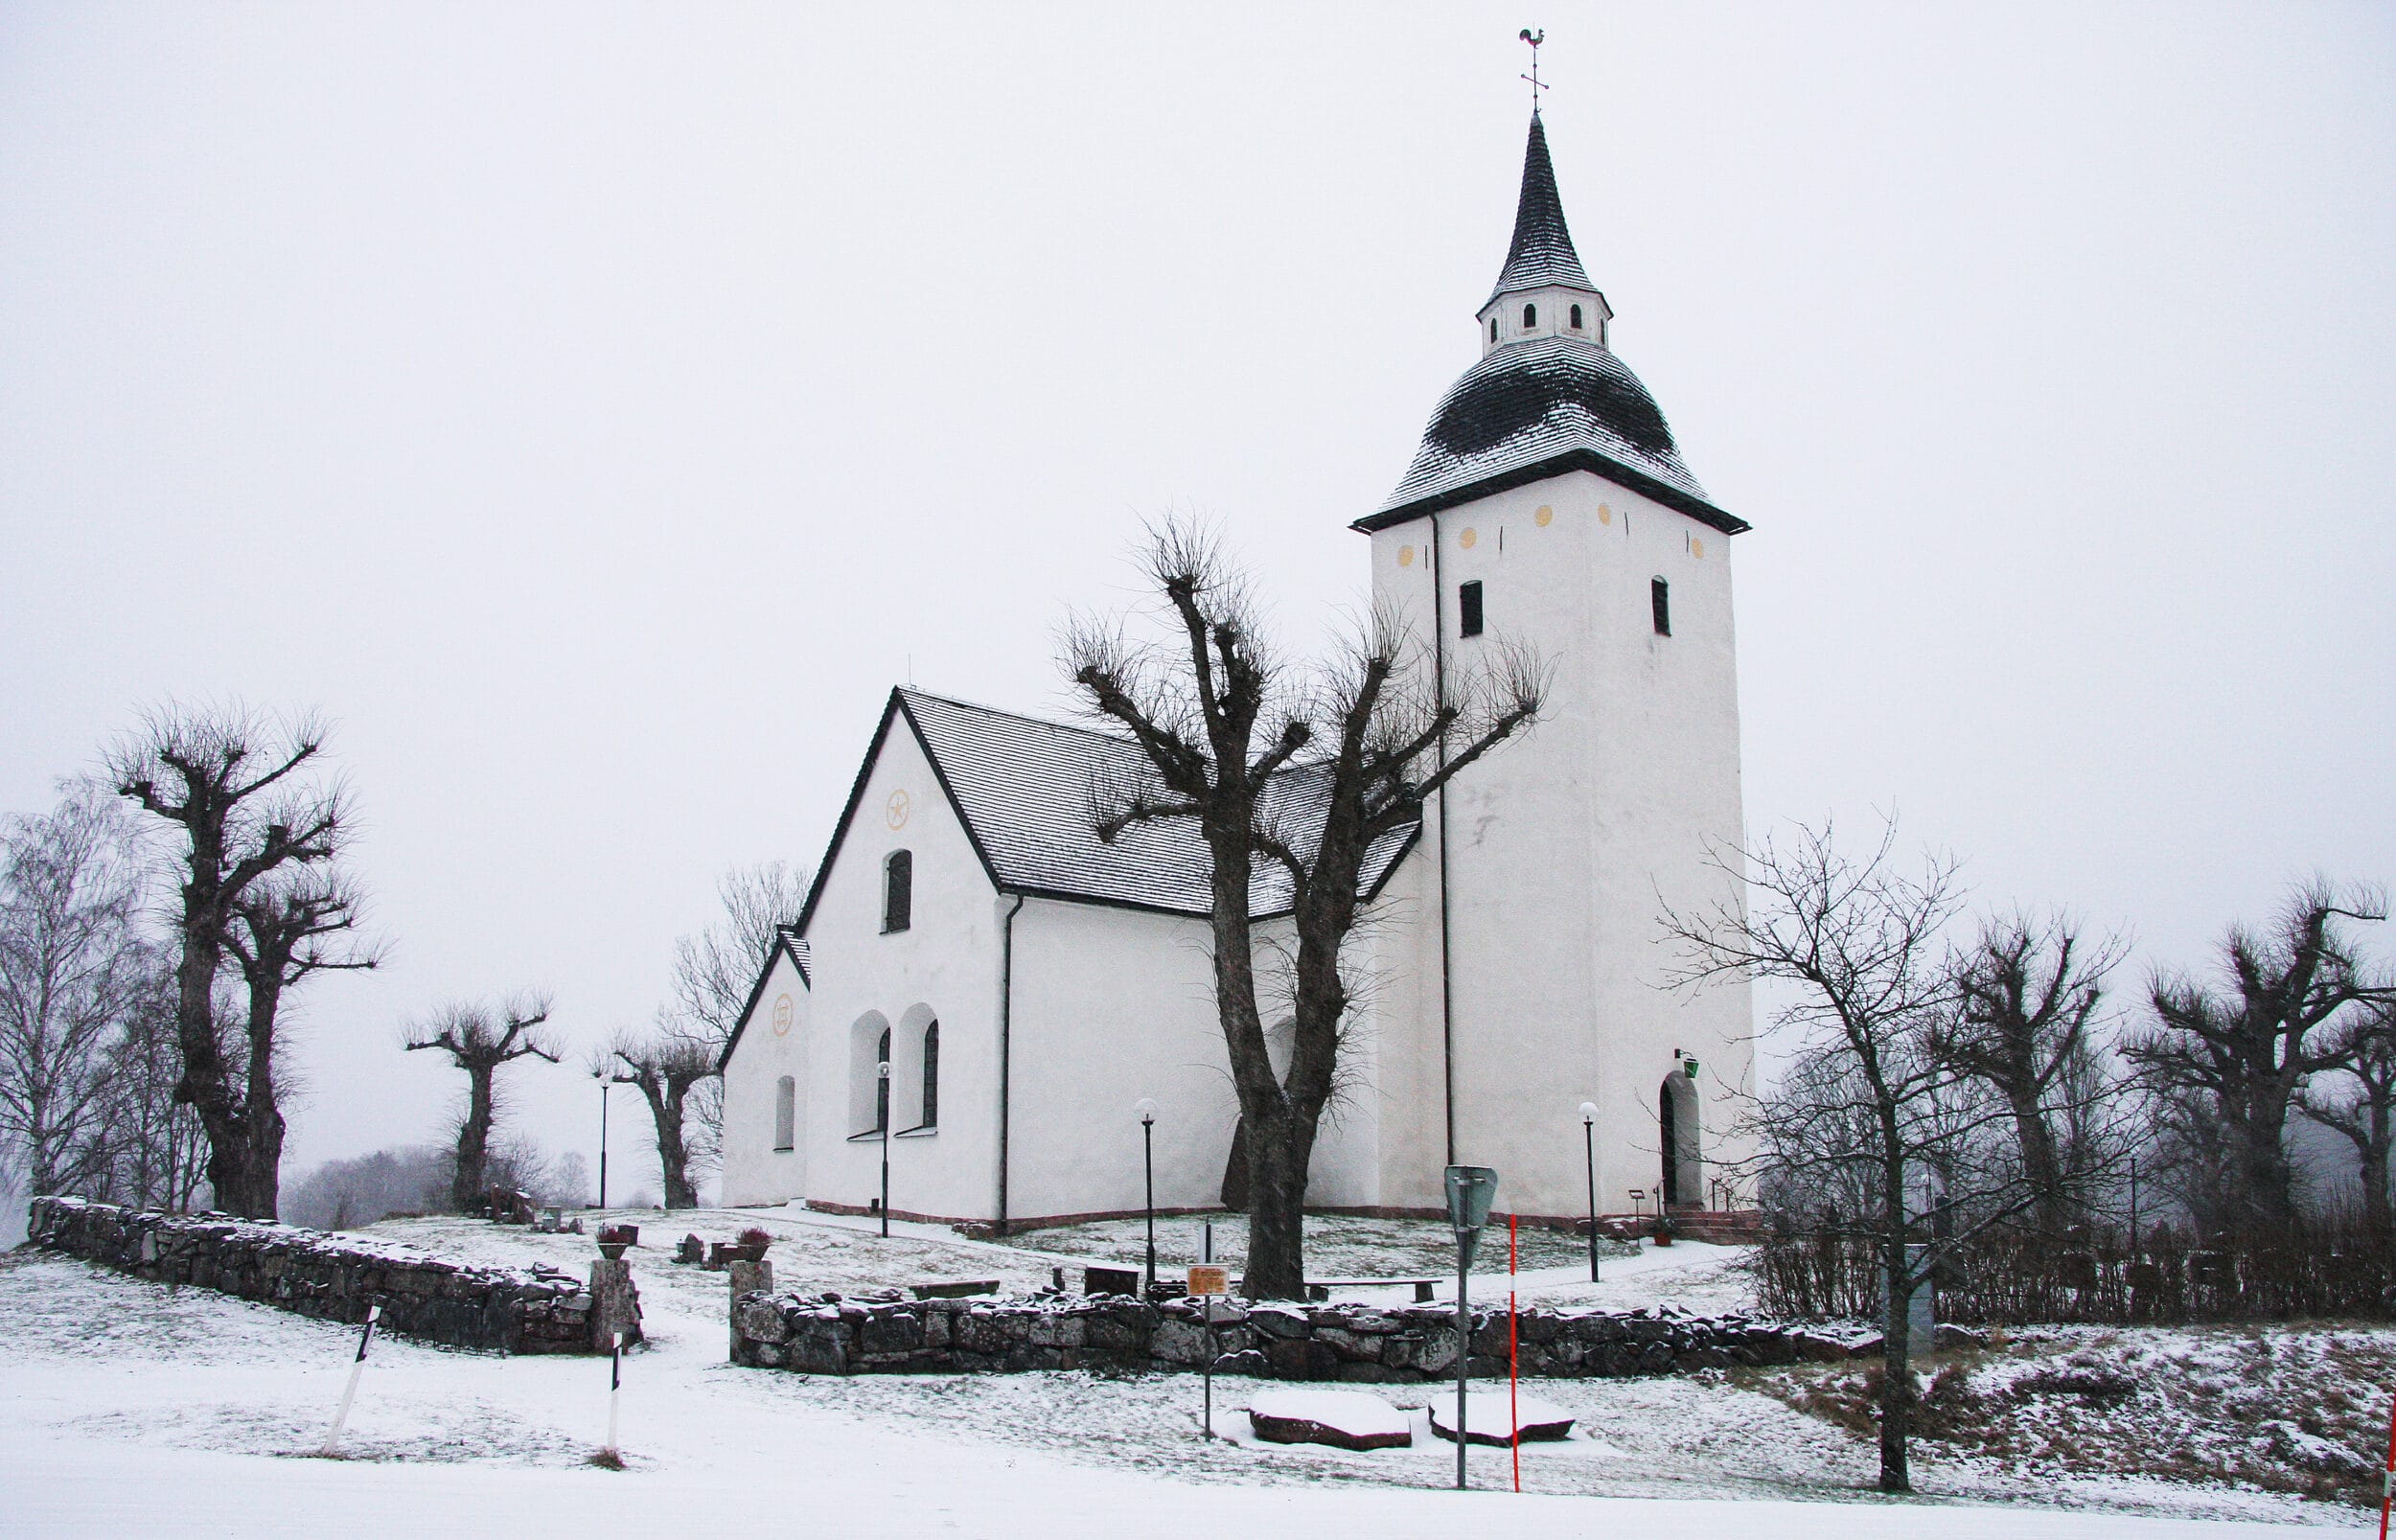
(1549, 507)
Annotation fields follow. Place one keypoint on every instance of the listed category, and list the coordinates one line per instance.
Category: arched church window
(898, 896)
(1576, 317)
(1531, 316)
(881, 1083)
(785, 1114)
(932, 1076)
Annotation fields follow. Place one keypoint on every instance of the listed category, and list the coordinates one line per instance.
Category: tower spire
(1542, 251)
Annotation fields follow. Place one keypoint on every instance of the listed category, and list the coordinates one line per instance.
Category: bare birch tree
(483, 1040)
(1872, 1126)
(1250, 749)
(246, 797)
(714, 972)
(74, 966)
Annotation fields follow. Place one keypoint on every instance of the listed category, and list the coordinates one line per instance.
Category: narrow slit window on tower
(1493, 328)
(1660, 598)
(1576, 317)
(1469, 609)
(1531, 316)
(898, 891)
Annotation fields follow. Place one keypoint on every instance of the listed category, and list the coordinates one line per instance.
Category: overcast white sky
(596, 409)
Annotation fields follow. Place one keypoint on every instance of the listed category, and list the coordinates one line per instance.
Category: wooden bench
(1321, 1288)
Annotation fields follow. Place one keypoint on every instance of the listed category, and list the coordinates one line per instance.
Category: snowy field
(129, 1407)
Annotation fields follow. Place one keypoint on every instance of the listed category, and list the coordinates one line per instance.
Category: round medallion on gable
(899, 806)
(1405, 555)
(1545, 516)
(784, 1010)
(1468, 538)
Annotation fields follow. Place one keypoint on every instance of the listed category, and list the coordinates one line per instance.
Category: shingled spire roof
(1542, 252)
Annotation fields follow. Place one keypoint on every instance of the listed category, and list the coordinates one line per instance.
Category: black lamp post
(882, 1074)
(1589, 1153)
(606, 1085)
(1147, 1111)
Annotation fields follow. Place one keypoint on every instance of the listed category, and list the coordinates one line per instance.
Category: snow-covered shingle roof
(1542, 405)
(1024, 787)
(1542, 250)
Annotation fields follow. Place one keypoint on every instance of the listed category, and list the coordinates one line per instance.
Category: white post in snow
(615, 1389)
(349, 1392)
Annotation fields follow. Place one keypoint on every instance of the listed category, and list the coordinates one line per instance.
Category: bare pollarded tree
(256, 818)
(2028, 994)
(482, 1040)
(665, 1065)
(1289, 772)
(2293, 1001)
(75, 969)
(2363, 1107)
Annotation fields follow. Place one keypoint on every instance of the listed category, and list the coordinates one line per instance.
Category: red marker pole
(2387, 1480)
(1514, 1358)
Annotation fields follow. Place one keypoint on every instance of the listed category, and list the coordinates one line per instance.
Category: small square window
(1469, 609)
(1660, 597)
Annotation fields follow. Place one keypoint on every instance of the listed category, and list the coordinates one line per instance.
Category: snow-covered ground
(126, 1405)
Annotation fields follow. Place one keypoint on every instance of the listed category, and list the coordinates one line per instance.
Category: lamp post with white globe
(882, 1075)
(1146, 1111)
(1589, 1154)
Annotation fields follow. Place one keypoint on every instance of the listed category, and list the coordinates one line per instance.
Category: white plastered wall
(944, 965)
(1113, 1005)
(1563, 846)
(773, 1043)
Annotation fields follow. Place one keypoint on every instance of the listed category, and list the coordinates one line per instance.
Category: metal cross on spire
(1534, 39)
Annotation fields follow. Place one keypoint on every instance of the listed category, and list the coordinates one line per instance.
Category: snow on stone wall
(827, 1334)
(312, 1272)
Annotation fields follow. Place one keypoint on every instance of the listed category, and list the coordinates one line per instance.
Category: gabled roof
(1542, 251)
(787, 943)
(1024, 787)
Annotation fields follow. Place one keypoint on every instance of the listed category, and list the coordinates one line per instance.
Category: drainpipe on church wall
(1439, 688)
(1006, 1003)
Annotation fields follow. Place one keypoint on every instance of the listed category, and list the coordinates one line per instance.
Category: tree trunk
(1896, 1373)
(2040, 1166)
(1279, 1152)
(474, 1140)
(665, 1110)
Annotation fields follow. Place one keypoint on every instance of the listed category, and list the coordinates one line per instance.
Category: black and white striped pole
(349, 1391)
(615, 1391)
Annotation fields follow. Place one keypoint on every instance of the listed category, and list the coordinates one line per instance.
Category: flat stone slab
(1489, 1419)
(1344, 1420)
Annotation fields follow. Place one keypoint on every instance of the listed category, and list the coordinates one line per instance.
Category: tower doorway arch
(1683, 1131)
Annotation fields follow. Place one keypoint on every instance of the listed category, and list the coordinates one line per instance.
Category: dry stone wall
(333, 1278)
(827, 1334)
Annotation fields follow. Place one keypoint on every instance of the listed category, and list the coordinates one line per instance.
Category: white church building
(1027, 983)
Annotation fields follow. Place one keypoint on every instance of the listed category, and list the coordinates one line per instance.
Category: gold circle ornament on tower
(1545, 516)
(1697, 548)
(1605, 513)
(784, 1010)
(1405, 555)
(1468, 538)
(899, 805)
